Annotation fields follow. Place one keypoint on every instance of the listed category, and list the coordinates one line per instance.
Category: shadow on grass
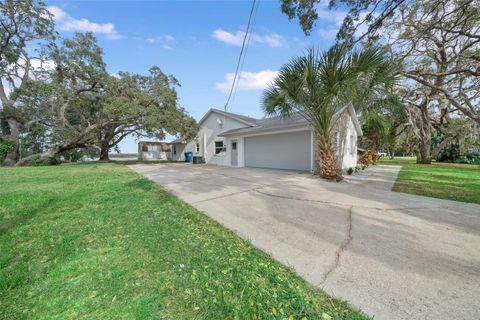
(21, 219)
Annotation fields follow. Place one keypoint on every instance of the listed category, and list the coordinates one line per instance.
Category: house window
(219, 147)
(352, 145)
(337, 143)
(174, 149)
(197, 147)
(152, 147)
(234, 145)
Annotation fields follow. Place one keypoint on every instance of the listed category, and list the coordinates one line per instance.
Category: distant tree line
(58, 99)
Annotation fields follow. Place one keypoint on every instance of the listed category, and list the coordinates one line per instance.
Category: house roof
(272, 123)
(241, 118)
(294, 121)
(267, 124)
(153, 142)
(179, 140)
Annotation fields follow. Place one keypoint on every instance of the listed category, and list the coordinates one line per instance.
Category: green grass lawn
(453, 181)
(97, 241)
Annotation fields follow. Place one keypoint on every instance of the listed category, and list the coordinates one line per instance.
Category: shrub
(5, 147)
(369, 157)
(452, 154)
(350, 171)
(39, 162)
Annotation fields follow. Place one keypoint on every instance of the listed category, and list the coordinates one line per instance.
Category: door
(279, 151)
(234, 154)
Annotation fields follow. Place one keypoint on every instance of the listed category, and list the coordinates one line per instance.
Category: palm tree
(319, 84)
(377, 130)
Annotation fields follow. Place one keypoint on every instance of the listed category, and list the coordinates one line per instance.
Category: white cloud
(328, 33)
(39, 65)
(248, 80)
(335, 19)
(65, 22)
(164, 40)
(273, 39)
(36, 66)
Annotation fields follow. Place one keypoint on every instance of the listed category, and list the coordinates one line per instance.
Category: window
(197, 147)
(234, 145)
(219, 147)
(337, 143)
(152, 147)
(174, 149)
(352, 145)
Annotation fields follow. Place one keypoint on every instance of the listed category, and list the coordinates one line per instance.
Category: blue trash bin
(188, 156)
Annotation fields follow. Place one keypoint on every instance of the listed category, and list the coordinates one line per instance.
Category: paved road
(393, 255)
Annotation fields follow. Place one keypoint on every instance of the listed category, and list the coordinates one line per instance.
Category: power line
(241, 53)
(245, 53)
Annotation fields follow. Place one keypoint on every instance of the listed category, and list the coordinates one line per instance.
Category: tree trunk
(51, 152)
(14, 134)
(104, 149)
(391, 154)
(42, 156)
(424, 156)
(326, 160)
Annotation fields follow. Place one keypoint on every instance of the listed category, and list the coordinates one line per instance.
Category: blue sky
(198, 42)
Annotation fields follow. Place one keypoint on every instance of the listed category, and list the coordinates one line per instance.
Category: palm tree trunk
(327, 162)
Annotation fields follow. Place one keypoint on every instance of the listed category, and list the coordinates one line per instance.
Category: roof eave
(251, 124)
(263, 130)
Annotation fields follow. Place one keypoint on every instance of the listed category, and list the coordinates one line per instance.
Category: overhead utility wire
(245, 53)
(241, 54)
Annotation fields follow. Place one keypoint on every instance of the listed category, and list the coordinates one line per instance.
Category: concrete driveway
(393, 255)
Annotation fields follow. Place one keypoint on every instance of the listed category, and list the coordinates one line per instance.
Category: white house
(231, 139)
(153, 150)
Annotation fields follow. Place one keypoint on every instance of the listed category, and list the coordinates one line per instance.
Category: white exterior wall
(240, 150)
(350, 146)
(241, 144)
(153, 155)
(210, 129)
(206, 137)
(179, 156)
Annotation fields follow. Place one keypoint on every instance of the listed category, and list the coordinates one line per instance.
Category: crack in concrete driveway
(341, 248)
(393, 255)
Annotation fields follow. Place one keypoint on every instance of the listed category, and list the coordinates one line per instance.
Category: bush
(76, 155)
(452, 154)
(349, 171)
(369, 157)
(5, 147)
(39, 162)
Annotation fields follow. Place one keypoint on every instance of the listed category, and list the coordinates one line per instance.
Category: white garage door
(280, 151)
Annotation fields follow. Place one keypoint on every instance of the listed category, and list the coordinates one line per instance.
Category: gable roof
(241, 118)
(153, 142)
(355, 120)
(267, 124)
(294, 121)
(178, 140)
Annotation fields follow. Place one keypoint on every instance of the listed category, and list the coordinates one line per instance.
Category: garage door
(280, 151)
